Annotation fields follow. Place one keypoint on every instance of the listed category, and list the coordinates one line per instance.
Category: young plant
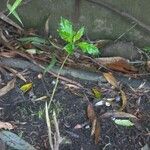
(73, 38)
(73, 42)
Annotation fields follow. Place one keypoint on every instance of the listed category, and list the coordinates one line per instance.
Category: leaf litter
(97, 129)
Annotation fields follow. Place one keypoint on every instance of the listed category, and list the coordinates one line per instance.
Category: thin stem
(57, 80)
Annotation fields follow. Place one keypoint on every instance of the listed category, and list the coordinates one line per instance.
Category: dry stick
(49, 127)
(57, 137)
(123, 14)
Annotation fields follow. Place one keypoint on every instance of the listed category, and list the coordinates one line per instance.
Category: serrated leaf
(14, 13)
(88, 48)
(26, 87)
(14, 6)
(65, 30)
(69, 48)
(123, 122)
(78, 35)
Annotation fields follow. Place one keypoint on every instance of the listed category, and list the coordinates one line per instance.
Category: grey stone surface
(100, 22)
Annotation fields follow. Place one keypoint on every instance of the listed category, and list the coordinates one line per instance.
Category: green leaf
(33, 39)
(65, 30)
(51, 65)
(14, 6)
(78, 35)
(14, 13)
(147, 49)
(69, 48)
(124, 122)
(88, 48)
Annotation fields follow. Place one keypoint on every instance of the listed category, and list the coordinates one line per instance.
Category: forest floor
(75, 101)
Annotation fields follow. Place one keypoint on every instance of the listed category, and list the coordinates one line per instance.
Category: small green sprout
(72, 38)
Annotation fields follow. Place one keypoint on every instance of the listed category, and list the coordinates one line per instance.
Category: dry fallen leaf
(10, 85)
(111, 79)
(91, 113)
(95, 129)
(124, 100)
(97, 132)
(118, 115)
(117, 63)
(6, 125)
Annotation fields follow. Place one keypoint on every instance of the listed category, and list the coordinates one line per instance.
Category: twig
(57, 136)
(49, 127)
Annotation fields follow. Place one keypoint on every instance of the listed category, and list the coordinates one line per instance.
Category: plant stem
(57, 80)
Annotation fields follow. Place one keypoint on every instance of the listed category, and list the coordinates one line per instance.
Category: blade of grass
(14, 6)
(14, 13)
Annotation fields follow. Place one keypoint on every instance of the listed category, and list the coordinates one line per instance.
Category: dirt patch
(29, 117)
(26, 114)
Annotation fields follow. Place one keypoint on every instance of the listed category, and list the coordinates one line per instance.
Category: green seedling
(73, 41)
(73, 38)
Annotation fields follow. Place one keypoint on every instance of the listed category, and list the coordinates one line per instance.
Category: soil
(21, 110)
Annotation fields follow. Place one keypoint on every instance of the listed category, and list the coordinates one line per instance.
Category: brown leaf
(6, 125)
(117, 64)
(111, 79)
(91, 113)
(97, 132)
(124, 100)
(93, 127)
(10, 85)
(118, 115)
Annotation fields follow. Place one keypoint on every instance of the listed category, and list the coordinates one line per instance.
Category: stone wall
(100, 22)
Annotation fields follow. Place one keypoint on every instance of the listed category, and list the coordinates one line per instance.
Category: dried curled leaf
(95, 129)
(117, 63)
(124, 100)
(118, 115)
(97, 132)
(10, 85)
(111, 79)
(6, 125)
(91, 113)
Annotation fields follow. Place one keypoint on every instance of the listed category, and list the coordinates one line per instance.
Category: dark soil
(20, 109)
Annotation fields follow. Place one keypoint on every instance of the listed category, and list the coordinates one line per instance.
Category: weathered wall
(100, 22)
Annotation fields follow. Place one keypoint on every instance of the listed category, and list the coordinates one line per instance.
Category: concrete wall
(100, 22)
